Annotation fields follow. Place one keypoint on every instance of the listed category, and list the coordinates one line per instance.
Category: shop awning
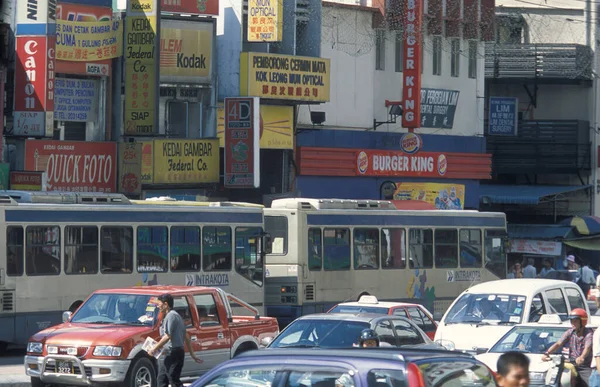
(525, 194)
(585, 243)
(540, 231)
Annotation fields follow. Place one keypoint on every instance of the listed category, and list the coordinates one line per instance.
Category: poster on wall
(76, 99)
(438, 195)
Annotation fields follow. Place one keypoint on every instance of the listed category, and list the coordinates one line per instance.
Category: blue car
(356, 367)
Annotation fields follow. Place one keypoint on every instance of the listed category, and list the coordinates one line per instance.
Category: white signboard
(531, 246)
(75, 100)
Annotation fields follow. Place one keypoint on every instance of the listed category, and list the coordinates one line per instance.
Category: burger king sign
(411, 143)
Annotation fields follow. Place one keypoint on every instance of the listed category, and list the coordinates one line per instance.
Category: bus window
(14, 250)
(81, 250)
(43, 250)
(470, 248)
(248, 262)
(420, 247)
(216, 249)
(495, 258)
(185, 248)
(393, 248)
(152, 249)
(446, 248)
(117, 249)
(315, 249)
(277, 227)
(336, 248)
(366, 248)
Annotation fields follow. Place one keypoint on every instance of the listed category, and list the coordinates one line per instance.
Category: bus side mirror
(267, 244)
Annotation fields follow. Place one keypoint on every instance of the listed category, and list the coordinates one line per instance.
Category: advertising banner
(186, 51)
(372, 162)
(28, 181)
(130, 168)
(412, 46)
(242, 142)
(438, 107)
(193, 7)
(141, 65)
(35, 17)
(265, 20)
(147, 162)
(76, 100)
(76, 166)
(82, 13)
(276, 126)
(285, 77)
(439, 196)
(89, 41)
(186, 161)
(530, 246)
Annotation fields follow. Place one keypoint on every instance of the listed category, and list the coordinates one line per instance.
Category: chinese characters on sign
(438, 107)
(76, 100)
(130, 167)
(242, 142)
(265, 20)
(186, 161)
(284, 77)
(88, 41)
(141, 59)
(411, 91)
(503, 116)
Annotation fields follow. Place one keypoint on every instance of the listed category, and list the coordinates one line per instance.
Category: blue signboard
(503, 116)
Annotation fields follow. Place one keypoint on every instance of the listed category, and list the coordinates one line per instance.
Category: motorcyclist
(368, 338)
(578, 342)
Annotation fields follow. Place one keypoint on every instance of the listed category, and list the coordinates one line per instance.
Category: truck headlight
(107, 350)
(33, 347)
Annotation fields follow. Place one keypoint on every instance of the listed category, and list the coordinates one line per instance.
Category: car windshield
(487, 309)
(359, 309)
(320, 333)
(125, 309)
(529, 339)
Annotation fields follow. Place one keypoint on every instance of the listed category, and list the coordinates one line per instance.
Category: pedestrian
(547, 268)
(173, 337)
(598, 292)
(529, 271)
(587, 278)
(578, 342)
(513, 370)
(595, 377)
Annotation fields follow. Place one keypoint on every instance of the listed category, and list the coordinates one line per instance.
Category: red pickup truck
(102, 341)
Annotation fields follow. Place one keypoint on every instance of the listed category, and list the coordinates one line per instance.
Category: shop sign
(82, 13)
(438, 107)
(34, 12)
(186, 161)
(147, 162)
(89, 41)
(440, 196)
(393, 163)
(76, 99)
(28, 181)
(242, 147)
(531, 246)
(276, 126)
(141, 64)
(34, 86)
(186, 51)
(130, 167)
(503, 117)
(97, 69)
(193, 7)
(287, 77)
(411, 84)
(265, 20)
(76, 166)
(4, 175)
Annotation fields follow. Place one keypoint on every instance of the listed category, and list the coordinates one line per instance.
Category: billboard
(130, 167)
(192, 7)
(242, 142)
(440, 196)
(89, 41)
(265, 20)
(185, 161)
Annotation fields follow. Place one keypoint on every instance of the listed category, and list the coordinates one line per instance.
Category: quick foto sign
(411, 84)
(390, 163)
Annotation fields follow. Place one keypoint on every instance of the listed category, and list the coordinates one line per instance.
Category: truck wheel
(141, 373)
(36, 382)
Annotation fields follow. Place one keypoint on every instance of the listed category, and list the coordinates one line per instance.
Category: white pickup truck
(485, 312)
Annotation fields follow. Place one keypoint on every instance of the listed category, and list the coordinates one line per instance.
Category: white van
(485, 312)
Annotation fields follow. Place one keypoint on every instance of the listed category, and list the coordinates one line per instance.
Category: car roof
(384, 304)
(154, 290)
(358, 317)
(517, 286)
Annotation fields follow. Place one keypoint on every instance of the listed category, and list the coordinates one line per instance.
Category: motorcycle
(559, 367)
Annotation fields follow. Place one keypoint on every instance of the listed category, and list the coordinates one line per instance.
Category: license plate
(64, 367)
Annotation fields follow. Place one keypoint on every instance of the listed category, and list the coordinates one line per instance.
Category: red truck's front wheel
(141, 373)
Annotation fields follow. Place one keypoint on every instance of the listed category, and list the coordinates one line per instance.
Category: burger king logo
(362, 162)
(411, 143)
(442, 165)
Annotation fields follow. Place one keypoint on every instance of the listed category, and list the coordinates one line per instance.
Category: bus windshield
(487, 308)
(125, 309)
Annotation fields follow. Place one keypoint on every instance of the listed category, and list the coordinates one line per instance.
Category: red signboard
(76, 166)
(30, 74)
(411, 85)
(26, 181)
(395, 163)
(194, 7)
(242, 142)
(50, 75)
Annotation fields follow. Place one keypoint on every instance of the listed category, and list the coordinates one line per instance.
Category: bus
(327, 251)
(60, 247)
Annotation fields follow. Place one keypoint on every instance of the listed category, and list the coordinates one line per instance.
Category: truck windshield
(125, 309)
(487, 308)
(529, 339)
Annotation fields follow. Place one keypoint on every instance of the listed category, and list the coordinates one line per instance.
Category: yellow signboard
(140, 79)
(439, 196)
(147, 163)
(78, 41)
(288, 77)
(186, 161)
(276, 126)
(145, 6)
(265, 20)
(186, 51)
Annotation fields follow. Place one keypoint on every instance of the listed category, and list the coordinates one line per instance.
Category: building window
(398, 51)
(437, 55)
(455, 58)
(472, 59)
(380, 50)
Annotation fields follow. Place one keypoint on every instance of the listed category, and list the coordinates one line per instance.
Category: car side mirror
(266, 341)
(66, 316)
(437, 316)
(479, 351)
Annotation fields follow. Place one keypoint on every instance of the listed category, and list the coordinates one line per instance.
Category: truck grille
(8, 301)
(51, 367)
